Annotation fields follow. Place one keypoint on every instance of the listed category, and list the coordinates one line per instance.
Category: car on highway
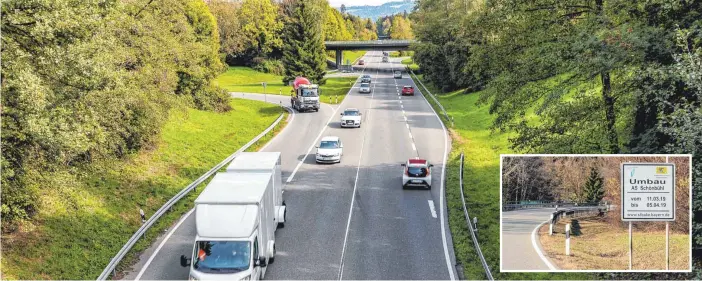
(416, 173)
(385, 59)
(361, 62)
(366, 78)
(351, 117)
(329, 150)
(364, 88)
(398, 74)
(408, 91)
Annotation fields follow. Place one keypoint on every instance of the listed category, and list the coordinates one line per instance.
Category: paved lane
(518, 251)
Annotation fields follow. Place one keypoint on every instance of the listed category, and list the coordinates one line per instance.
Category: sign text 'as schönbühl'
(648, 192)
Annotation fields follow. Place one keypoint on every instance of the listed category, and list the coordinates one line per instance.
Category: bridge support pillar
(339, 59)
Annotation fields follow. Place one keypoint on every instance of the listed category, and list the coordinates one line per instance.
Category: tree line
(575, 76)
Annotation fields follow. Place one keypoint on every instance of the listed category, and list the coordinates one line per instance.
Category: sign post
(264, 92)
(648, 194)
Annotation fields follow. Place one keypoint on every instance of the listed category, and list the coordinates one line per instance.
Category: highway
(350, 220)
(520, 248)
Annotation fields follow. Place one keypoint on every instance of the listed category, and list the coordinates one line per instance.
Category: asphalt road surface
(519, 247)
(350, 220)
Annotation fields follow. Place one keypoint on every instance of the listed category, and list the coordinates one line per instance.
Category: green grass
(245, 79)
(397, 54)
(351, 56)
(410, 62)
(472, 135)
(81, 228)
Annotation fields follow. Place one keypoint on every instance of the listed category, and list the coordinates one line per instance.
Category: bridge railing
(110, 269)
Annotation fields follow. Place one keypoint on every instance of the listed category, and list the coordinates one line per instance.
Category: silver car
(365, 88)
(351, 117)
(398, 75)
(416, 173)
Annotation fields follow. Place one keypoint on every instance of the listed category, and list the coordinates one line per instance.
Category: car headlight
(337, 154)
(248, 277)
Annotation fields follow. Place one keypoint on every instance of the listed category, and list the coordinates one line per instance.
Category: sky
(337, 3)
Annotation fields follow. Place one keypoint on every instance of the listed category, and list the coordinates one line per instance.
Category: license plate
(416, 181)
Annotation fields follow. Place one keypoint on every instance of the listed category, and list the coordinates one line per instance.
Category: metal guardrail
(432, 96)
(511, 206)
(167, 206)
(470, 225)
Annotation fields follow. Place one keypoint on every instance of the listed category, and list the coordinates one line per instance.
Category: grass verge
(247, 80)
(410, 63)
(473, 136)
(81, 229)
(598, 246)
(350, 56)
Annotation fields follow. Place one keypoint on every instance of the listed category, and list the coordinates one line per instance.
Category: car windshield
(408, 87)
(417, 171)
(329, 144)
(351, 112)
(222, 256)
(309, 92)
(366, 76)
(364, 85)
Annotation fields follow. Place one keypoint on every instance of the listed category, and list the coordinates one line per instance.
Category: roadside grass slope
(82, 228)
(350, 56)
(598, 246)
(247, 80)
(482, 148)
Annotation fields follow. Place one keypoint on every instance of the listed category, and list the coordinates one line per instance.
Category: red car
(408, 91)
(361, 62)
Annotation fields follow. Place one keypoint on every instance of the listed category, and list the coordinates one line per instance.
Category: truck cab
(235, 229)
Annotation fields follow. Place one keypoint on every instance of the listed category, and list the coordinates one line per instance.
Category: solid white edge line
(431, 208)
(153, 255)
(292, 117)
(536, 247)
(355, 185)
(414, 147)
(441, 199)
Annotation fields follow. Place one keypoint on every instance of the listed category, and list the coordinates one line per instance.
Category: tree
(231, 42)
(594, 188)
(303, 48)
(400, 28)
(260, 27)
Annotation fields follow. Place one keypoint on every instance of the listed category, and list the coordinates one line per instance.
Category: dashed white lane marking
(414, 147)
(432, 209)
(403, 112)
(410, 134)
(405, 118)
(407, 125)
(402, 106)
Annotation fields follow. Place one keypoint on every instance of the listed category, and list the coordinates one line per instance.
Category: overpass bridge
(382, 45)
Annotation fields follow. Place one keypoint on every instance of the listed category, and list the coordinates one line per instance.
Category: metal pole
(667, 237)
(567, 242)
(550, 226)
(631, 249)
(475, 225)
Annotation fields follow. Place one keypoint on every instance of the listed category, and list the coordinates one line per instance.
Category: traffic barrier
(473, 227)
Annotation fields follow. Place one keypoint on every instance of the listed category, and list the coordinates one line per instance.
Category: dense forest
(575, 76)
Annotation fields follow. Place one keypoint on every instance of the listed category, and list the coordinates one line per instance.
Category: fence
(431, 95)
(167, 206)
(471, 228)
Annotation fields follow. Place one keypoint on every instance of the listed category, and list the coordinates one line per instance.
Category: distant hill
(374, 12)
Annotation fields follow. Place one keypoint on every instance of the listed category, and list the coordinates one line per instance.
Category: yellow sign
(661, 170)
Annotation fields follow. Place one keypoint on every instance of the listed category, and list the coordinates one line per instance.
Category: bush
(268, 66)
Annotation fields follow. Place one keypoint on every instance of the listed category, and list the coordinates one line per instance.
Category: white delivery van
(235, 237)
(264, 162)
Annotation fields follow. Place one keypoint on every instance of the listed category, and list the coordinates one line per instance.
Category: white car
(416, 173)
(351, 117)
(329, 150)
(365, 88)
(398, 75)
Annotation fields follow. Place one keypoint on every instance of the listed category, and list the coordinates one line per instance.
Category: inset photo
(597, 213)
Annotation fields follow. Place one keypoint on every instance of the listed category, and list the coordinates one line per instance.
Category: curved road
(350, 220)
(520, 248)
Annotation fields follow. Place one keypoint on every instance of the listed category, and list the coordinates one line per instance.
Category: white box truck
(235, 227)
(264, 162)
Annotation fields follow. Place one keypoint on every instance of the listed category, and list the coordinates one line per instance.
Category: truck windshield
(222, 256)
(309, 92)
